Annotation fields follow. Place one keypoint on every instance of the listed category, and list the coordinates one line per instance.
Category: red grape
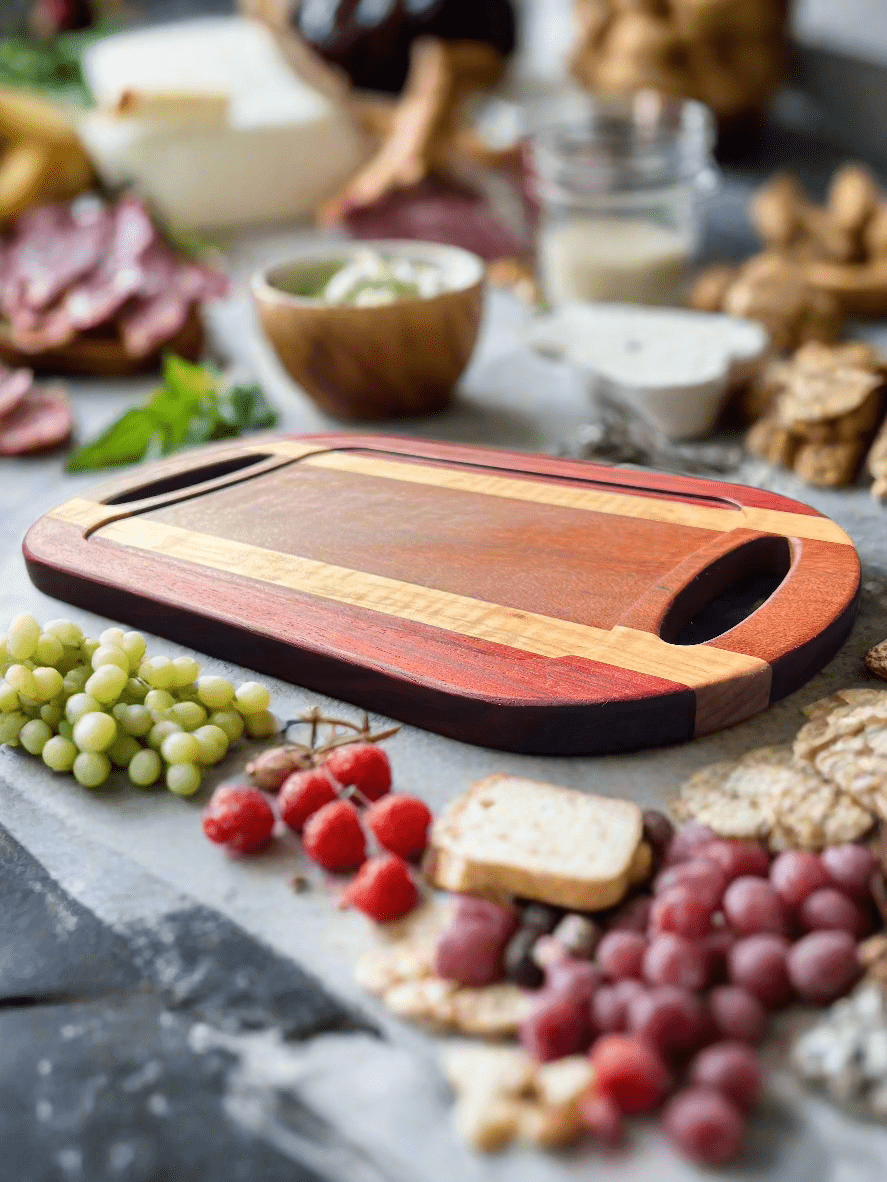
(797, 874)
(658, 830)
(602, 1117)
(621, 954)
(675, 960)
(739, 859)
(609, 1009)
(716, 947)
(470, 954)
(573, 978)
(732, 1068)
(688, 841)
(705, 880)
(500, 921)
(559, 1024)
(758, 964)
(832, 910)
(632, 916)
(705, 1126)
(752, 905)
(681, 910)
(630, 1073)
(824, 965)
(851, 868)
(669, 1019)
(737, 1014)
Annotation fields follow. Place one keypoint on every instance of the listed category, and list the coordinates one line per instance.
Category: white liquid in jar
(624, 260)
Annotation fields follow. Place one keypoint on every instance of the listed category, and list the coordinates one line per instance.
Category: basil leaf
(124, 442)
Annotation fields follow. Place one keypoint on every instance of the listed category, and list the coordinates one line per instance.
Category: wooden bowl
(379, 362)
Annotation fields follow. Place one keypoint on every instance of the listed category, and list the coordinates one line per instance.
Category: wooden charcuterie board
(513, 601)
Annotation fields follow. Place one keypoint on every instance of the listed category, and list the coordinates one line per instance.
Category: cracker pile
(502, 1095)
(401, 973)
(876, 660)
(820, 411)
(731, 56)
(828, 788)
(819, 264)
(877, 464)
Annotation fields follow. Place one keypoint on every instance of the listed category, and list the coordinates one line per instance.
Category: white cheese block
(676, 366)
(282, 149)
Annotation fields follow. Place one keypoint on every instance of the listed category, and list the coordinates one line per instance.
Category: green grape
(145, 768)
(8, 698)
(123, 750)
(52, 714)
(95, 731)
(108, 654)
(160, 730)
(135, 690)
(112, 636)
(183, 778)
(134, 645)
(70, 659)
(30, 706)
(88, 646)
(22, 680)
(252, 698)
(34, 735)
(49, 650)
(91, 769)
(78, 705)
(158, 702)
(215, 692)
(66, 729)
(213, 743)
(21, 638)
(185, 672)
(49, 683)
(180, 748)
(59, 754)
(262, 725)
(157, 671)
(76, 679)
(11, 727)
(189, 715)
(107, 683)
(4, 651)
(69, 633)
(134, 719)
(230, 722)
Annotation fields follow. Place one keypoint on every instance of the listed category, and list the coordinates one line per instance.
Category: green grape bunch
(87, 706)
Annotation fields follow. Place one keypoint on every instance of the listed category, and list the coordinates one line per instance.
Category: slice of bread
(538, 841)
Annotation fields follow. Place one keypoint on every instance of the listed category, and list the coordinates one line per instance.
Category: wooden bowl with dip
(374, 360)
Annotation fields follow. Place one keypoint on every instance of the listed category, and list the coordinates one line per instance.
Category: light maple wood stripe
(79, 511)
(729, 686)
(568, 495)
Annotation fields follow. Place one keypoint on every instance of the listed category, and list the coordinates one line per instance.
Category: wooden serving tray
(514, 601)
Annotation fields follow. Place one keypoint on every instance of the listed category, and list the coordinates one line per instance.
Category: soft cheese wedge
(538, 841)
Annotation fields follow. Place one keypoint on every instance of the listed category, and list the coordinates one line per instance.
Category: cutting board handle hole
(189, 479)
(728, 591)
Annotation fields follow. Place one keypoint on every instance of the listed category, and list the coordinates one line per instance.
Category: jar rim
(649, 116)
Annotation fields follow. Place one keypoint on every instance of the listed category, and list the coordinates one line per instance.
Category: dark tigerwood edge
(795, 668)
(598, 728)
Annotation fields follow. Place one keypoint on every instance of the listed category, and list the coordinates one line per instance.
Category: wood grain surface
(511, 600)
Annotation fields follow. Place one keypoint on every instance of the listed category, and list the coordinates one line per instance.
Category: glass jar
(619, 183)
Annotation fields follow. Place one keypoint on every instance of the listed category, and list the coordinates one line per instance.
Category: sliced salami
(15, 384)
(36, 332)
(120, 273)
(42, 421)
(149, 321)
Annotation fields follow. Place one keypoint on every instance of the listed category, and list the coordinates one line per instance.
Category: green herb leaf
(186, 410)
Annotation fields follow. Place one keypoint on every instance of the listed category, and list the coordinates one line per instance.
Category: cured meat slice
(438, 210)
(151, 320)
(42, 421)
(120, 273)
(14, 386)
(35, 332)
(53, 248)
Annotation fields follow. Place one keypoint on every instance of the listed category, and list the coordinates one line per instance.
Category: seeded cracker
(876, 658)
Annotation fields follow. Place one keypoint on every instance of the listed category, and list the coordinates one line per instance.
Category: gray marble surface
(387, 1093)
